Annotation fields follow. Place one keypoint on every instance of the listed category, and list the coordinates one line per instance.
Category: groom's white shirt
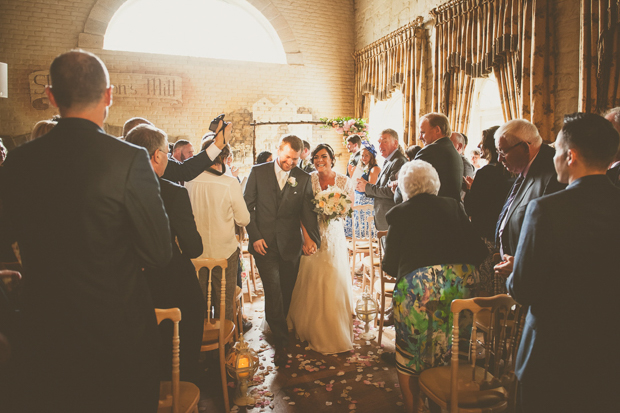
(280, 174)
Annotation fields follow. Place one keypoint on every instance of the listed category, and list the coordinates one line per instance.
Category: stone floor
(357, 381)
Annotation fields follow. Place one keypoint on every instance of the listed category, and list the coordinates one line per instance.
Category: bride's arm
(309, 246)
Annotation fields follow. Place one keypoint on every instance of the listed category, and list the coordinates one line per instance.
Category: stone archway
(103, 11)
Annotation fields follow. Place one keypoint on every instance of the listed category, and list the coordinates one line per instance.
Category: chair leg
(252, 273)
(223, 374)
(382, 318)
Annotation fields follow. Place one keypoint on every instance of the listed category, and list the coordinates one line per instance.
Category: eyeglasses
(503, 154)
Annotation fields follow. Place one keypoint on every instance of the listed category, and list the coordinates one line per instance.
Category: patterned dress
(422, 316)
(360, 216)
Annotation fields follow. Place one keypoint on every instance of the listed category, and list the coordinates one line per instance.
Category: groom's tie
(282, 176)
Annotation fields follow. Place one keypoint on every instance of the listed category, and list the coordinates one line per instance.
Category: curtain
(394, 61)
(512, 38)
(599, 70)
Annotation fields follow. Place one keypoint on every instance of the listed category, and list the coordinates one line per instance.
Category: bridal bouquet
(332, 203)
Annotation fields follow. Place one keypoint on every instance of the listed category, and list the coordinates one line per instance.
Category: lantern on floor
(242, 364)
(366, 311)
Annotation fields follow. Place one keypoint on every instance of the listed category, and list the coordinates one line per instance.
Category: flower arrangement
(332, 203)
(347, 126)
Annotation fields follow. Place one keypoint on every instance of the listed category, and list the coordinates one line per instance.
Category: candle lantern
(366, 311)
(242, 364)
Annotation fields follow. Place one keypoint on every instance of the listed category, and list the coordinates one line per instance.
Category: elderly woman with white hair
(432, 249)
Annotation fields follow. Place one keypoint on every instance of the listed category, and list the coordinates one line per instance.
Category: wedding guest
(435, 132)
(568, 250)
(354, 143)
(231, 170)
(381, 191)
(458, 140)
(86, 225)
(613, 115)
(371, 170)
(182, 150)
(3, 152)
(218, 204)
(475, 156)
(426, 230)
(412, 151)
(522, 151)
(181, 172)
(175, 285)
(263, 157)
(305, 161)
(42, 127)
(483, 203)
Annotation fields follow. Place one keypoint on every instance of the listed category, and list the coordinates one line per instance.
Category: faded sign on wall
(126, 85)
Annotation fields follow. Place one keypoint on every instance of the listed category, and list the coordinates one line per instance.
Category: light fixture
(366, 311)
(4, 80)
(242, 364)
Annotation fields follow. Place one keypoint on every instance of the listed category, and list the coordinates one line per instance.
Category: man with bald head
(86, 211)
(522, 151)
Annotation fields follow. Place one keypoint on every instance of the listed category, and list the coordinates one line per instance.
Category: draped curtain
(599, 86)
(394, 61)
(512, 38)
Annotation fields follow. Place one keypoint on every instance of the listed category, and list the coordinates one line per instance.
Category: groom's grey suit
(275, 216)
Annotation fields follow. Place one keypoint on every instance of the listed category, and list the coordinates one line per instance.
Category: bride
(321, 306)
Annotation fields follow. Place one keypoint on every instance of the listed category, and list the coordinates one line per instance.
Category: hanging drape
(599, 85)
(512, 38)
(394, 61)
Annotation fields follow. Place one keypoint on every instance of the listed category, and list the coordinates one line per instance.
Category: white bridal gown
(321, 306)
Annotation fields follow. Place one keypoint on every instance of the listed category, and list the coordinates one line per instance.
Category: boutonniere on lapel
(292, 182)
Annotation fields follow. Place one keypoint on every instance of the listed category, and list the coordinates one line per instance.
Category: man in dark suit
(439, 151)
(521, 150)
(566, 271)
(177, 171)
(176, 284)
(305, 161)
(381, 191)
(279, 196)
(86, 210)
(613, 173)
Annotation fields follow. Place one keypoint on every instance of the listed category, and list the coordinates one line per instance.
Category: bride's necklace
(327, 181)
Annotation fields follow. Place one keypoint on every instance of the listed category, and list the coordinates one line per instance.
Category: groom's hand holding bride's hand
(260, 246)
(309, 247)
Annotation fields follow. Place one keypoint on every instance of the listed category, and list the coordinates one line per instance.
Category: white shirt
(218, 204)
(281, 175)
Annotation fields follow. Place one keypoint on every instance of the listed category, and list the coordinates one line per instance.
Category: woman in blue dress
(368, 162)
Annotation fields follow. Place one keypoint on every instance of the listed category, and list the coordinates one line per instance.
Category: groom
(278, 195)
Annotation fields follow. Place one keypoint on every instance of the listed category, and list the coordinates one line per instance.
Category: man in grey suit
(381, 191)
(566, 272)
(279, 196)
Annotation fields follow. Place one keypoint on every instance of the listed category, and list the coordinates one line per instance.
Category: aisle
(357, 381)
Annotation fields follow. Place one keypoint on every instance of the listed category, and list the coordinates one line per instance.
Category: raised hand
(221, 139)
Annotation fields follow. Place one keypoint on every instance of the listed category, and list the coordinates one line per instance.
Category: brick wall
(377, 18)
(33, 32)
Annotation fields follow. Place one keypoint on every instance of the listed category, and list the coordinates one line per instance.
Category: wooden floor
(358, 381)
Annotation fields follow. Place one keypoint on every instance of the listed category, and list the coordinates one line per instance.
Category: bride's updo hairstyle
(418, 177)
(329, 150)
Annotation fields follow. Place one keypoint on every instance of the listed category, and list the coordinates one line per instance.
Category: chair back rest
(501, 320)
(173, 314)
(379, 253)
(211, 263)
(365, 225)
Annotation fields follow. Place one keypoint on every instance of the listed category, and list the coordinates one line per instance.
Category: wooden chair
(360, 246)
(243, 245)
(176, 396)
(486, 382)
(238, 311)
(217, 331)
(383, 285)
(371, 264)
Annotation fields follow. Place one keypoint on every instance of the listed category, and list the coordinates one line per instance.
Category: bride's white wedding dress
(321, 306)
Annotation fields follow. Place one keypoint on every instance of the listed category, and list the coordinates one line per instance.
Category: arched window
(231, 29)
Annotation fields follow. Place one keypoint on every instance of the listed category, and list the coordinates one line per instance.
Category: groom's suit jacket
(275, 214)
